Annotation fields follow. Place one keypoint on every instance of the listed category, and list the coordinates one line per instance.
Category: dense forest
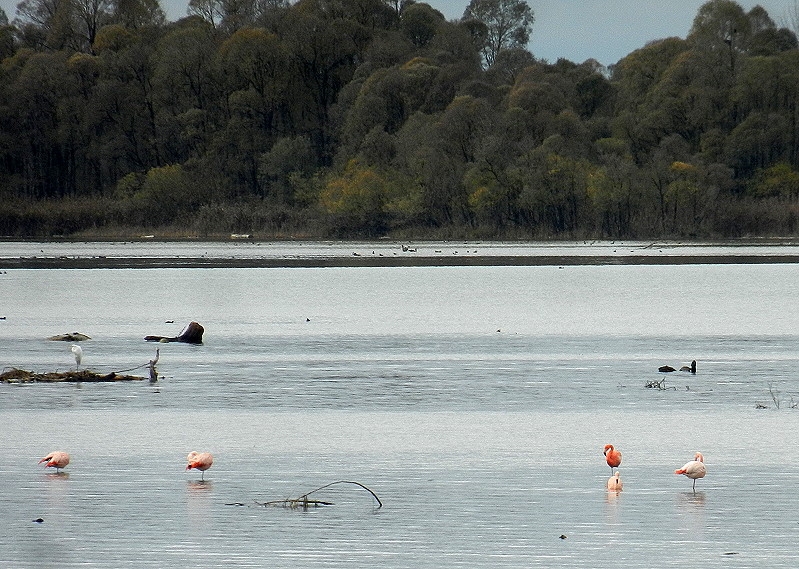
(370, 118)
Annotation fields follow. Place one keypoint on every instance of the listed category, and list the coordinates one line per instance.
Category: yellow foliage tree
(354, 199)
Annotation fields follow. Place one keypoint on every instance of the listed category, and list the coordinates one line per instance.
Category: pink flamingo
(202, 461)
(57, 459)
(694, 469)
(613, 457)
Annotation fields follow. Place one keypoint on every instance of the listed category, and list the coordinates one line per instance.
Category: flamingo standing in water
(202, 461)
(57, 459)
(694, 469)
(613, 457)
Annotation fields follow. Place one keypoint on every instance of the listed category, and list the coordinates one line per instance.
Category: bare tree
(209, 10)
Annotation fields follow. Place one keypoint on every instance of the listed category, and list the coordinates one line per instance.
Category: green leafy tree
(184, 74)
(324, 55)
(38, 84)
(282, 167)
(354, 200)
(779, 180)
(760, 139)
(721, 30)
(420, 23)
(7, 39)
(166, 193)
(637, 73)
(135, 14)
(506, 24)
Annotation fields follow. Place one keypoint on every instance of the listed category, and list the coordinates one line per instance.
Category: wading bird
(694, 469)
(613, 457)
(78, 353)
(57, 459)
(202, 461)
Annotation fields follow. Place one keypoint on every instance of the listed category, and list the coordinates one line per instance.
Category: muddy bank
(365, 260)
(14, 375)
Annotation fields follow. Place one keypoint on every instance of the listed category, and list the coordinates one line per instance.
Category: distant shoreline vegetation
(379, 118)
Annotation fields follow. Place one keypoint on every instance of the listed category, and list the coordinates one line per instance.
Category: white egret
(78, 353)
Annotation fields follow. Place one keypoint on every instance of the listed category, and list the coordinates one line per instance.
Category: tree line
(369, 118)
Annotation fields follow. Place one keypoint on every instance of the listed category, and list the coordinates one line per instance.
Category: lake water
(473, 400)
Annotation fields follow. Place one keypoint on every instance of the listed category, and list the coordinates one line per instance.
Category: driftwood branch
(151, 365)
(191, 334)
(379, 503)
(658, 384)
(304, 502)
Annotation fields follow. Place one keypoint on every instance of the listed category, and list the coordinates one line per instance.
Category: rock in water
(73, 337)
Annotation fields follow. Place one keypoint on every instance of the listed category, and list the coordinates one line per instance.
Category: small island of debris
(15, 375)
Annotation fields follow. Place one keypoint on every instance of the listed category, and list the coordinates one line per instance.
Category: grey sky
(605, 30)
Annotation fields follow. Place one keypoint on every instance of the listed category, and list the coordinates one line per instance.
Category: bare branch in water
(305, 502)
(661, 385)
(775, 395)
(380, 504)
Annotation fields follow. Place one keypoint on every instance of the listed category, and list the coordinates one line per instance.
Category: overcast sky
(605, 30)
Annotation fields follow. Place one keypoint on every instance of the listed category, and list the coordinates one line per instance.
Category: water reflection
(199, 505)
(197, 486)
(612, 507)
(57, 475)
(691, 500)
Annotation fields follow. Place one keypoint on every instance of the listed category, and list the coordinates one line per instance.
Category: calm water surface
(474, 401)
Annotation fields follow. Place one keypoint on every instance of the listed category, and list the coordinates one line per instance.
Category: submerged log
(14, 375)
(191, 334)
(73, 337)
